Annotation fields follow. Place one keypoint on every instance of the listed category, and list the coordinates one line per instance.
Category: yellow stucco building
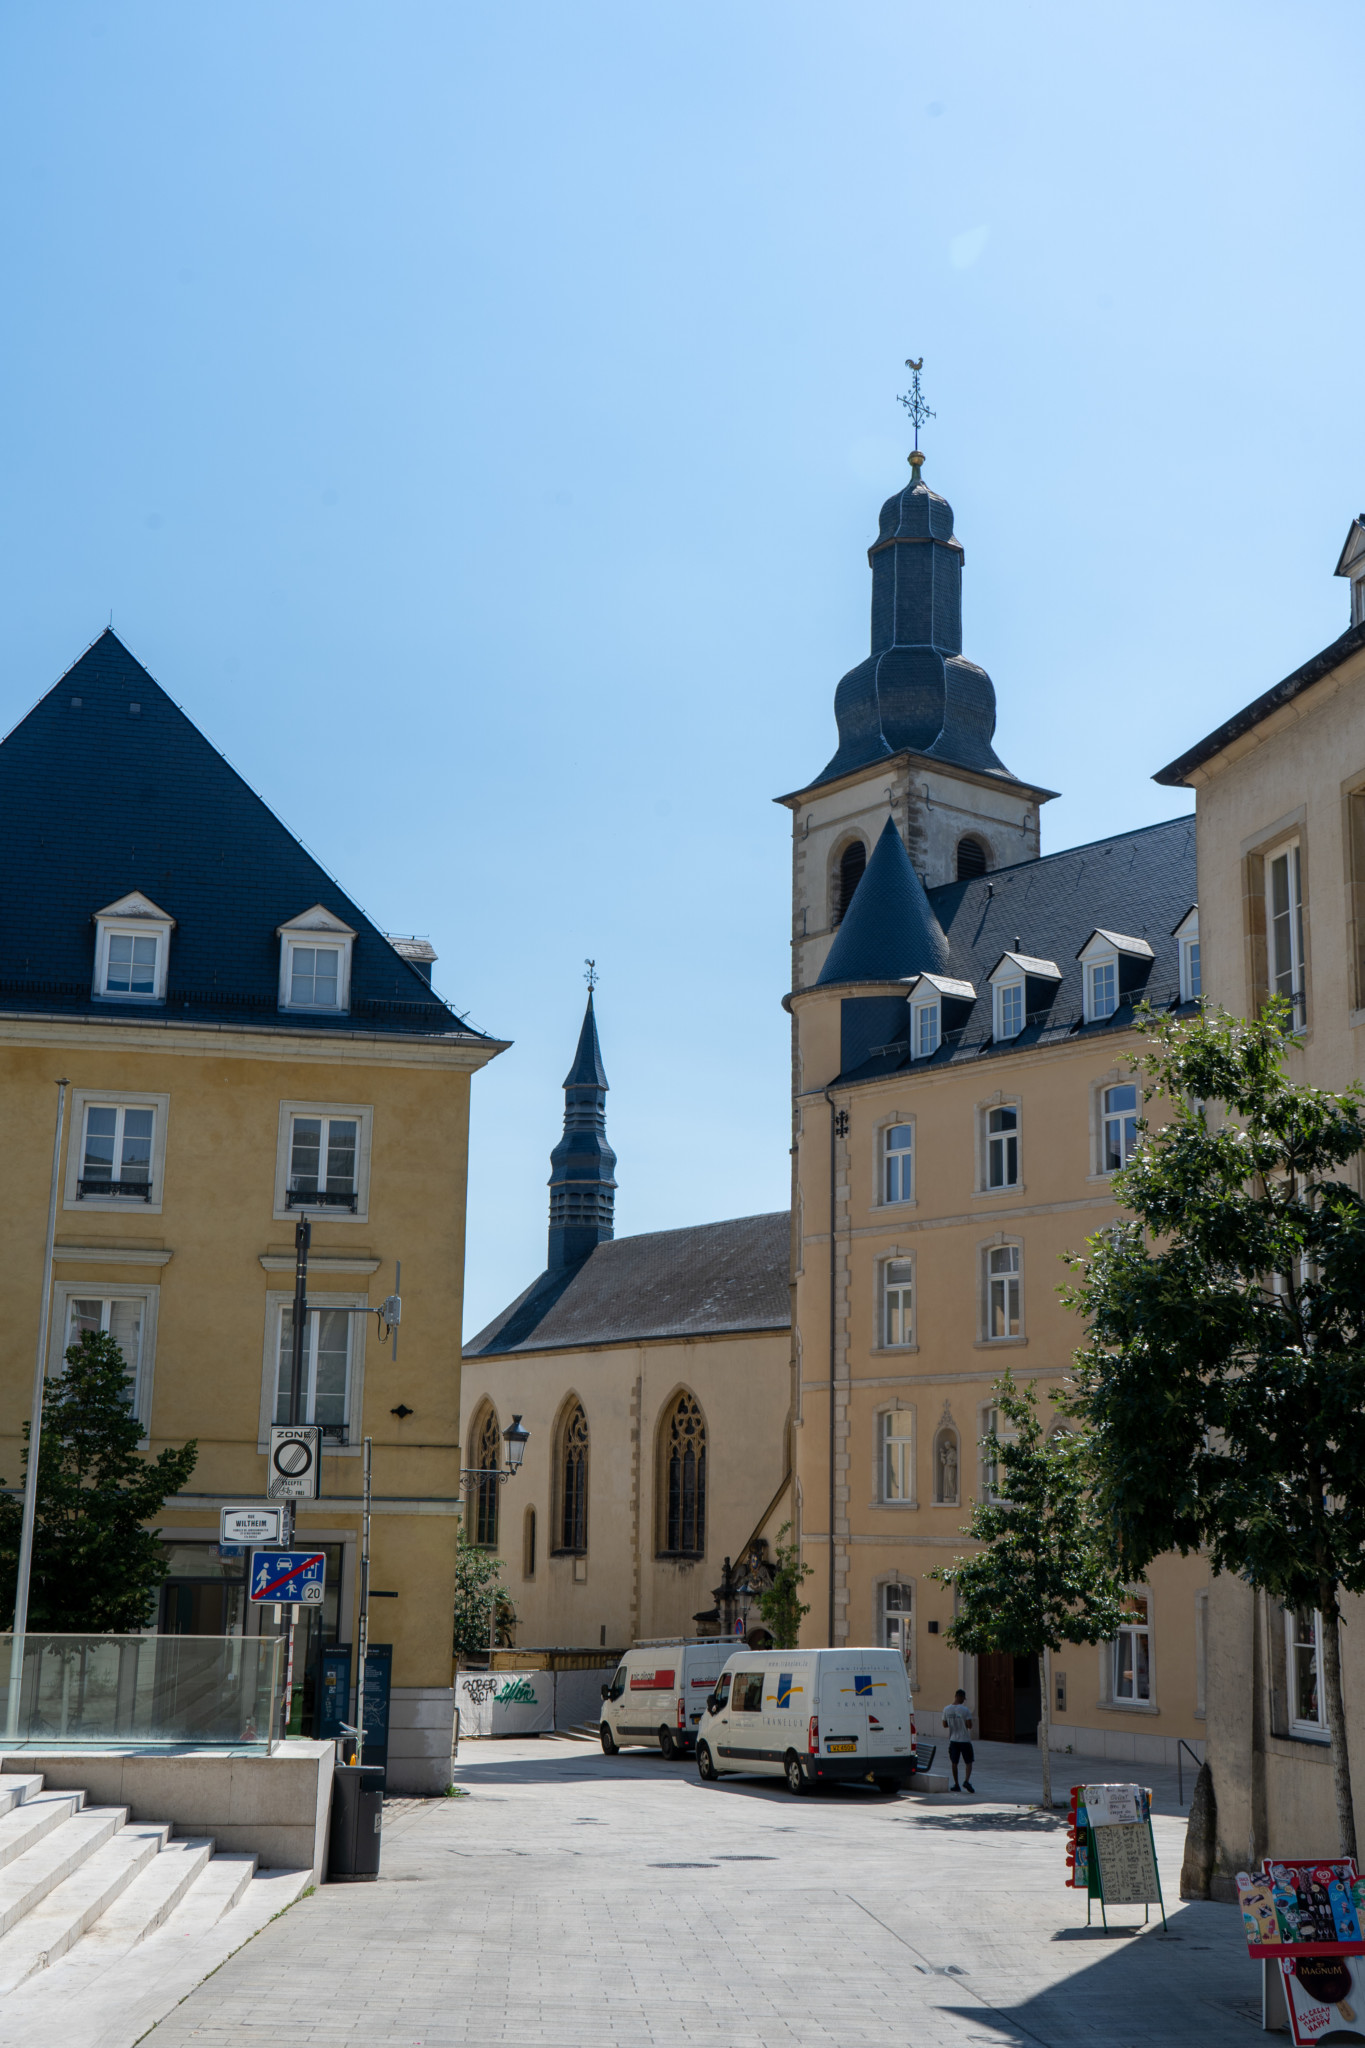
(963, 1092)
(242, 1047)
(1280, 809)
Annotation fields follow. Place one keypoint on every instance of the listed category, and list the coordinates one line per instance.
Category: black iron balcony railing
(137, 1190)
(320, 1198)
(334, 1432)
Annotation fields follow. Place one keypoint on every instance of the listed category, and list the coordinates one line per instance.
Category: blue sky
(476, 417)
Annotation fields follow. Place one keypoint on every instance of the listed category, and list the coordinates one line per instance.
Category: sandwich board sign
(295, 1461)
(296, 1576)
(249, 1526)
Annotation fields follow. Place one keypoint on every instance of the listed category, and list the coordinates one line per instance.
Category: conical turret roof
(889, 931)
(587, 1070)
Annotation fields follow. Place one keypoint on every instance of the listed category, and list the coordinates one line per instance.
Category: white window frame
(1186, 936)
(1291, 853)
(988, 1423)
(1117, 1116)
(904, 1288)
(926, 1029)
(134, 916)
(1001, 1140)
(897, 1163)
(899, 1619)
(990, 1279)
(896, 1426)
(131, 1206)
(1104, 966)
(1112, 1652)
(316, 927)
(362, 1114)
(64, 1292)
(1312, 1731)
(276, 1301)
(1000, 990)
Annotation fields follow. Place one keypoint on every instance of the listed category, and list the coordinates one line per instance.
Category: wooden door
(995, 1698)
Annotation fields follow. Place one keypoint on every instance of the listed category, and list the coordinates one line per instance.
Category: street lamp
(516, 1439)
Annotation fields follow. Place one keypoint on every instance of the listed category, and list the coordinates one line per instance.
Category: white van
(659, 1691)
(815, 1717)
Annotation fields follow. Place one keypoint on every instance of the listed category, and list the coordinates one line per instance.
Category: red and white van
(658, 1694)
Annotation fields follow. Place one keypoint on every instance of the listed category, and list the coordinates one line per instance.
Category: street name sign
(295, 1461)
(296, 1576)
(248, 1526)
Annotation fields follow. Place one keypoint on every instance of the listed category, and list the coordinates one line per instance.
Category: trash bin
(357, 1810)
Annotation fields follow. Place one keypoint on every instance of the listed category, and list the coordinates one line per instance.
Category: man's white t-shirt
(958, 1720)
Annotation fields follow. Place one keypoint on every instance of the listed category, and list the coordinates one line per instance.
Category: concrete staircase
(106, 1923)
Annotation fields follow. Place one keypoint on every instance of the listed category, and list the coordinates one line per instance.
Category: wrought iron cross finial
(913, 399)
(590, 974)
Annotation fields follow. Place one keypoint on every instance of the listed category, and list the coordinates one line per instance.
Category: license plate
(834, 1747)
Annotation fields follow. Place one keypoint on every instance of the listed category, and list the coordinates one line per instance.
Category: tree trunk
(1336, 1718)
(1045, 1726)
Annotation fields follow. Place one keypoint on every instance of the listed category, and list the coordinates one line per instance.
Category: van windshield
(722, 1691)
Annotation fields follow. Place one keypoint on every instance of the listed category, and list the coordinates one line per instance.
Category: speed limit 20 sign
(295, 1462)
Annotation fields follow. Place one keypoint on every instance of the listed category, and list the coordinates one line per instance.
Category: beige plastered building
(1280, 809)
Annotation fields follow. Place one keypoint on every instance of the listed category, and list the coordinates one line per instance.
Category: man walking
(958, 1721)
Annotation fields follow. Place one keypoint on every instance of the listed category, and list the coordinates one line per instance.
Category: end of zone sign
(298, 1576)
(295, 1461)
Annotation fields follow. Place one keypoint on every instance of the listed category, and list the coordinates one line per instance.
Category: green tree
(1044, 1574)
(96, 1569)
(780, 1603)
(1224, 1377)
(478, 1588)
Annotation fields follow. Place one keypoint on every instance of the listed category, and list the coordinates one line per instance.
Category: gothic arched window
(484, 1445)
(852, 862)
(573, 1481)
(684, 1477)
(971, 859)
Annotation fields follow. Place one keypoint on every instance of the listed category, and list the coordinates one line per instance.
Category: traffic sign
(296, 1576)
(255, 1525)
(295, 1461)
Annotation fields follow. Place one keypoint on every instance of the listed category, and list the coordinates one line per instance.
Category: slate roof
(1141, 883)
(708, 1280)
(889, 921)
(106, 787)
(1284, 692)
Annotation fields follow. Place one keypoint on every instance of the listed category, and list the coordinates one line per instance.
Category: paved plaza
(571, 1898)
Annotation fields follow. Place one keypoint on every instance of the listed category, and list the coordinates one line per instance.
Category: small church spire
(582, 1165)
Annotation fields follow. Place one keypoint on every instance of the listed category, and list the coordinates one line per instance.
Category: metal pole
(35, 1438)
(833, 1347)
(303, 1235)
(363, 1631)
(289, 1672)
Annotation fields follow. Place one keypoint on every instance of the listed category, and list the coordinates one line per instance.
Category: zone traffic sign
(295, 1461)
(297, 1576)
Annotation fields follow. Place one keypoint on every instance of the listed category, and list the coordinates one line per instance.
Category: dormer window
(938, 1003)
(315, 962)
(926, 1029)
(132, 947)
(1009, 1009)
(1186, 936)
(1114, 969)
(1022, 986)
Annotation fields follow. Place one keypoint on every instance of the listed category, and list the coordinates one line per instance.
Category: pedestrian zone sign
(298, 1576)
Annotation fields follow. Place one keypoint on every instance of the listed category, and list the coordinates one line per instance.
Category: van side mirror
(713, 1705)
(606, 1692)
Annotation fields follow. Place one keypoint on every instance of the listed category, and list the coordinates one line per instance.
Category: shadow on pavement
(989, 1820)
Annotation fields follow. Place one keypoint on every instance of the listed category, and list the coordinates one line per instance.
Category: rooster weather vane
(914, 403)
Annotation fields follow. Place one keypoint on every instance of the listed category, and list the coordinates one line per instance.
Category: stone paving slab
(575, 1899)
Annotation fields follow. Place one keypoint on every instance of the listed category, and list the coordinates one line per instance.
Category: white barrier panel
(506, 1702)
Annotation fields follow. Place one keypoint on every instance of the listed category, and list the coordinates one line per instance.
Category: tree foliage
(478, 1586)
(1044, 1574)
(780, 1603)
(96, 1569)
(1223, 1381)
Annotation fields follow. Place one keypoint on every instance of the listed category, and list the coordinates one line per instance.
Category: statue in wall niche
(947, 1468)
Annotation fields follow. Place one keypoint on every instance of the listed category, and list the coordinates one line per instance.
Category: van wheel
(667, 1746)
(608, 1740)
(890, 1786)
(706, 1763)
(796, 1777)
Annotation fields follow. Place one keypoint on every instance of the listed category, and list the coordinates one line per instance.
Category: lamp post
(516, 1439)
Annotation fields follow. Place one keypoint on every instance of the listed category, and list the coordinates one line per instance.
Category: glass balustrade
(143, 1692)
